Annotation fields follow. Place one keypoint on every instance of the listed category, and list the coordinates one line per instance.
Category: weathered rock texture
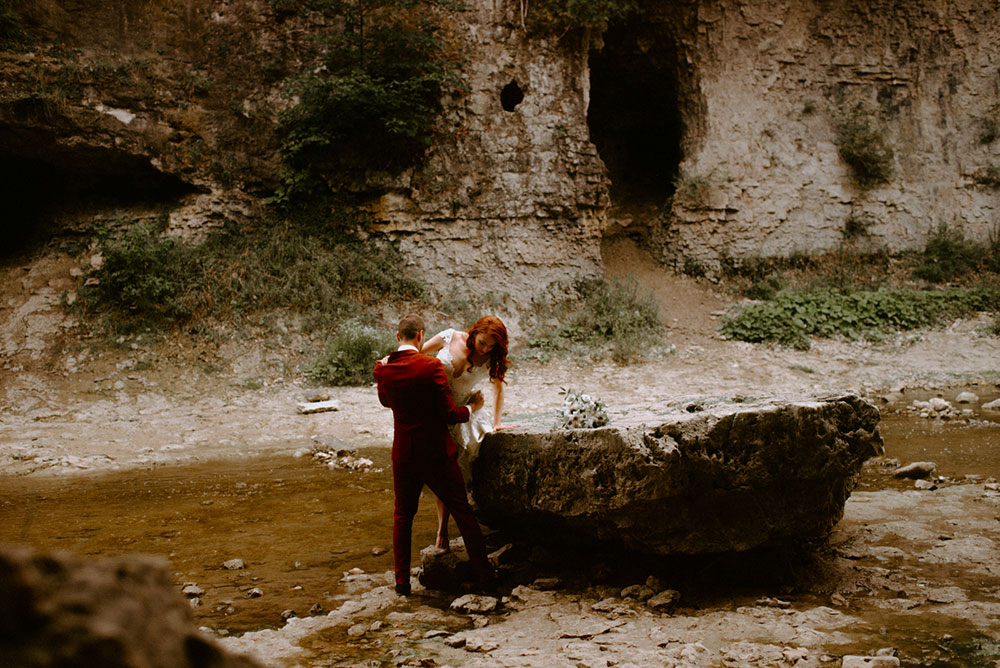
(61, 610)
(177, 103)
(772, 80)
(729, 479)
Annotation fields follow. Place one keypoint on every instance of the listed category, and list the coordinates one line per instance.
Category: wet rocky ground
(187, 450)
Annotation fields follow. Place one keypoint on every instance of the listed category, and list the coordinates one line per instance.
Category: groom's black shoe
(403, 589)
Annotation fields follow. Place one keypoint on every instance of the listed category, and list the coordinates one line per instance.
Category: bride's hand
(498, 427)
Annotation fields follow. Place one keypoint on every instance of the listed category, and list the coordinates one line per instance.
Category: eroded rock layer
(728, 479)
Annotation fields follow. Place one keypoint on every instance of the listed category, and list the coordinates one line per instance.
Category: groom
(415, 387)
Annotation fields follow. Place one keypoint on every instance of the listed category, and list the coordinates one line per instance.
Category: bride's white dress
(467, 435)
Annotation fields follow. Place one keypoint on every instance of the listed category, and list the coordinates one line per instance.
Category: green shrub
(694, 268)
(142, 280)
(856, 226)
(993, 251)
(595, 315)
(865, 150)
(305, 264)
(947, 256)
(558, 17)
(793, 316)
(989, 126)
(372, 101)
(351, 355)
(994, 328)
(757, 277)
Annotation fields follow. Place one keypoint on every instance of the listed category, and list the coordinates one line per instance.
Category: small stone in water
(256, 592)
(191, 590)
(234, 564)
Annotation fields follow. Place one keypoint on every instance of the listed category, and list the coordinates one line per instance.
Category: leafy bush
(694, 268)
(559, 17)
(948, 256)
(595, 314)
(856, 225)
(989, 126)
(141, 280)
(305, 264)
(759, 278)
(793, 316)
(351, 355)
(372, 101)
(994, 328)
(865, 150)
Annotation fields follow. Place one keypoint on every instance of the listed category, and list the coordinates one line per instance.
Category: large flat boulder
(730, 478)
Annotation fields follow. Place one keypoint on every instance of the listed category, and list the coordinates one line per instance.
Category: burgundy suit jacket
(416, 388)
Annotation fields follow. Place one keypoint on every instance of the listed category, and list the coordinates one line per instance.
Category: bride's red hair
(490, 325)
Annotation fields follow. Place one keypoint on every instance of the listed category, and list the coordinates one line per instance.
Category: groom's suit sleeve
(453, 414)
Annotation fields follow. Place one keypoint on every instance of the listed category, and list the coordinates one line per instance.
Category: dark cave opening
(511, 96)
(41, 180)
(634, 116)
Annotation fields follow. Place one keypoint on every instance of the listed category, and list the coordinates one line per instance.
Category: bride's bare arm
(432, 345)
(498, 405)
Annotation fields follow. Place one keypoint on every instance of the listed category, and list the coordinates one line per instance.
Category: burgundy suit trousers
(444, 478)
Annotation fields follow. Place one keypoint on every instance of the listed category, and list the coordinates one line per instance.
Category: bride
(470, 359)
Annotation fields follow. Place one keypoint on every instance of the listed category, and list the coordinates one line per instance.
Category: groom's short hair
(410, 326)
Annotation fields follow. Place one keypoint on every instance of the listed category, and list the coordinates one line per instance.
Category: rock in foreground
(731, 478)
(62, 610)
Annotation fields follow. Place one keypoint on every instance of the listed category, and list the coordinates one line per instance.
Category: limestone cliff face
(514, 194)
(776, 77)
(553, 145)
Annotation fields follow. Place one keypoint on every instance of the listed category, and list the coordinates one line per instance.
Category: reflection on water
(958, 447)
(298, 526)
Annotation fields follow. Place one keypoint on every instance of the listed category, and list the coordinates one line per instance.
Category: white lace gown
(467, 435)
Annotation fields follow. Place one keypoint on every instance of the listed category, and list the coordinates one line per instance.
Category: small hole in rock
(511, 96)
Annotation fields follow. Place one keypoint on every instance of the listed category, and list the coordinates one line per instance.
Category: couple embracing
(424, 383)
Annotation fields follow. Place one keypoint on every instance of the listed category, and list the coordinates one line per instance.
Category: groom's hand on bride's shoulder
(476, 402)
(384, 360)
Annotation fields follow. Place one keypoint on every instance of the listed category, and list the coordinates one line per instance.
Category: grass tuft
(350, 356)
(596, 316)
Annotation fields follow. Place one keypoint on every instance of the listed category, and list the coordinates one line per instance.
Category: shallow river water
(300, 527)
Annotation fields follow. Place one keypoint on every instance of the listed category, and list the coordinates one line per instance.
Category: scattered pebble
(665, 600)
(475, 604)
(234, 564)
(916, 470)
(190, 590)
